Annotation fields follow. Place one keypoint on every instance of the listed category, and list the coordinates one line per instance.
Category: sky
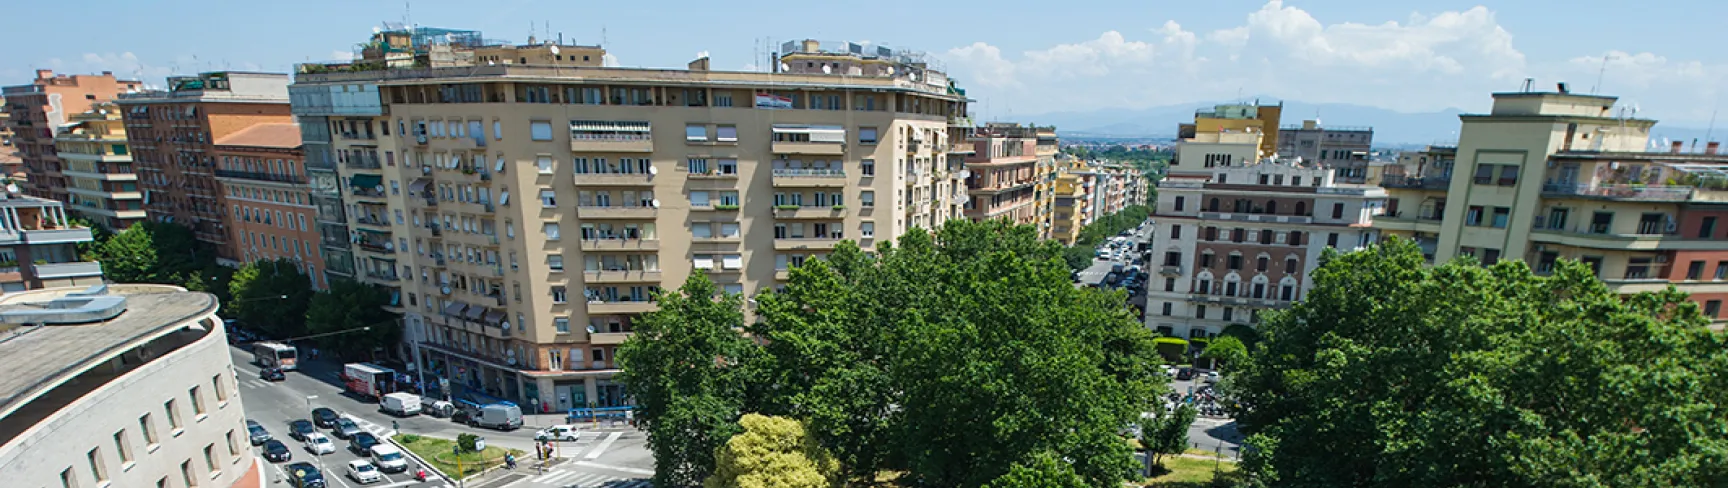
(1017, 58)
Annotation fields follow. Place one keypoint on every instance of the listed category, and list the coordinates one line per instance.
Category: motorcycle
(420, 475)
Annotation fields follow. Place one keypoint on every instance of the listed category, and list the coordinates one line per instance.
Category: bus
(275, 355)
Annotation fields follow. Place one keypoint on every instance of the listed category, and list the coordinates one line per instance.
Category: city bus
(275, 355)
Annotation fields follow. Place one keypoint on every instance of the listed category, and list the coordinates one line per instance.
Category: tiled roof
(283, 135)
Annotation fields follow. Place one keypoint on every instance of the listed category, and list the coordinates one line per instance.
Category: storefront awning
(366, 181)
(454, 309)
(494, 316)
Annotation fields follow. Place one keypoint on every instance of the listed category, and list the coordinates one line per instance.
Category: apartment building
(97, 164)
(38, 246)
(1242, 118)
(1237, 239)
(173, 133)
(1552, 175)
(1344, 148)
(523, 214)
(271, 215)
(1004, 170)
(40, 110)
(122, 386)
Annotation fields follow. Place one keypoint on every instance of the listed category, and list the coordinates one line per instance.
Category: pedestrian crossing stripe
(574, 479)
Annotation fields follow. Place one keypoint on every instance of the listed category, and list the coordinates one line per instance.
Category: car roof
(359, 462)
(385, 449)
(316, 435)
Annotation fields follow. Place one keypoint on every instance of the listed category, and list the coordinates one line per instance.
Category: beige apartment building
(38, 111)
(1551, 175)
(97, 165)
(523, 214)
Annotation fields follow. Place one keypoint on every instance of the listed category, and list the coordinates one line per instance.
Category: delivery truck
(401, 404)
(369, 380)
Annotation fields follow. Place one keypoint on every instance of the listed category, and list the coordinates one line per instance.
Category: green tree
(771, 452)
(1168, 433)
(153, 252)
(1392, 373)
(269, 297)
(1227, 349)
(1043, 470)
(353, 315)
(684, 368)
(1079, 257)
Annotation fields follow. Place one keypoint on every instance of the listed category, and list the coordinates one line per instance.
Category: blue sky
(1021, 57)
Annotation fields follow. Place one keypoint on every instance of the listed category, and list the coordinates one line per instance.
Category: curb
(416, 457)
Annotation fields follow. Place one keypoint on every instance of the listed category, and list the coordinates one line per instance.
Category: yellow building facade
(98, 168)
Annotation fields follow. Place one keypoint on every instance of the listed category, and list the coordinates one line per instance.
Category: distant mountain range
(1391, 128)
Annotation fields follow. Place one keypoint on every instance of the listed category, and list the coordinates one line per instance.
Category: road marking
(644, 472)
(610, 438)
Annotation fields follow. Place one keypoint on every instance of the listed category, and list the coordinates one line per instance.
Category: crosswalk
(254, 383)
(567, 478)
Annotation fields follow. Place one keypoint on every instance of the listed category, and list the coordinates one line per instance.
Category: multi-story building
(123, 386)
(38, 246)
(270, 209)
(542, 205)
(1552, 175)
(173, 133)
(1236, 239)
(1241, 118)
(1004, 171)
(97, 164)
(1345, 149)
(1071, 208)
(40, 110)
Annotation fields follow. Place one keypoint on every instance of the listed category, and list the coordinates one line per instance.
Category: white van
(389, 459)
(400, 404)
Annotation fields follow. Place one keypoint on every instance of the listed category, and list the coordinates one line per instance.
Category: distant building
(1346, 149)
(120, 385)
(1251, 118)
(41, 110)
(97, 164)
(270, 211)
(38, 246)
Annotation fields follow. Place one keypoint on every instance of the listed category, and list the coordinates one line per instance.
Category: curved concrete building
(119, 386)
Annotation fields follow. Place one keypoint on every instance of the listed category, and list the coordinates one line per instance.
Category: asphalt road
(609, 457)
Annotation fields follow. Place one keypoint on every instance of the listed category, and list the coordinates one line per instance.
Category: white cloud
(341, 55)
(1428, 61)
(123, 64)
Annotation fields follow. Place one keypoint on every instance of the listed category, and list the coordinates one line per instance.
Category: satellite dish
(554, 49)
(827, 70)
(890, 70)
(380, 188)
(656, 203)
(592, 330)
(652, 170)
(912, 76)
(783, 67)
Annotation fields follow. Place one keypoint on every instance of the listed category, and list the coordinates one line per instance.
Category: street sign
(480, 444)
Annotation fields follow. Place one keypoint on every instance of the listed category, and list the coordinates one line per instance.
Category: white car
(1212, 377)
(318, 443)
(363, 472)
(558, 433)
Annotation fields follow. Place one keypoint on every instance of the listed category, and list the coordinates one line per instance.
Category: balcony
(1253, 217)
(616, 211)
(372, 222)
(796, 243)
(621, 307)
(809, 177)
(611, 136)
(797, 212)
(1626, 242)
(614, 179)
(68, 270)
(621, 276)
(382, 275)
(49, 236)
(256, 176)
(620, 244)
(609, 338)
(369, 193)
(381, 248)
(806, 147)
(1643, 193)
(1416, 183)
(1170, 270)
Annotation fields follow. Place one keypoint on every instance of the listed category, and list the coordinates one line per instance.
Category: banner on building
(769, 100)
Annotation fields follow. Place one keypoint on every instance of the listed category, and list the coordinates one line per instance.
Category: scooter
(420, 475)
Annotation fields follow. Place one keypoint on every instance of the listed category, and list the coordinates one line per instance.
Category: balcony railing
(256, 176)
(68, 270)
(1425, 183)
(1253, 217)
(1623, 192)
(368, 192)
(384, 248)
(809, 173)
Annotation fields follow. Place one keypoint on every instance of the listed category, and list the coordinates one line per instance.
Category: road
(1210, 433)
(1100, 267)
(609, 457)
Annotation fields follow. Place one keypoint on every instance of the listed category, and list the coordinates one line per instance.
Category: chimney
(107, 73)
(1675, 148)
(700, 64)
(43, 74)
(1711, 147)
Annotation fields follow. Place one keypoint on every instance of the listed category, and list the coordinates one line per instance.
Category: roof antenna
(1600, 72)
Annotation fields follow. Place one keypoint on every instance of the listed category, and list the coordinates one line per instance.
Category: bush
(467, 442)
(1171, 348)
(408, 438)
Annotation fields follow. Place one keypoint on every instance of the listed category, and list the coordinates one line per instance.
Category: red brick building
(270, 213)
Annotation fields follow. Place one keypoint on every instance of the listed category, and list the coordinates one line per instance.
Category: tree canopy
(346, 307)
(771, 452)
(1167, 434)
(154, 252)
(270, 297)
(1392, 373)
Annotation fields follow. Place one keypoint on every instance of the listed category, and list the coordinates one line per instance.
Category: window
(69, 480)
(1508, 175)
(1261, 263)
(696, 132)
(867, 229)
(123, 445)
(1707, 228)
(1474, 216)
(233, 447)
(867, 199)
(551, 231)
(1467, 251)
(1167, 309)
(1172, 258)
(697, 166)
(98, 469)
(1501, 215)
(197, 401)
(1695, 270)
(1484, 174)
(1600, 222)
(1206, 259)
(1721, 270)
(1179, 202)
(1175, 232)
(210, 458)
(732, 261)
(726, 133)
(1490, 256)
(1295, 238)
(498, 129)
(149, 429)
(1337, 210)
(866, 135)
(556, 262)
(1200, 311)
(728, 166)
(704, 261)
(560, 294)
(548, 198)
(1332, 239)
(540, 130)
(544, 163)
(1234, 262)
(699, 199)
(867, 167)
(173, 414)
(1290, 266)
(561, 324)
(186, 474)
(1713, 309)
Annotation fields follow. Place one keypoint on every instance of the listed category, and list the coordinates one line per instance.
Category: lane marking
(610, 438)
(644, 472)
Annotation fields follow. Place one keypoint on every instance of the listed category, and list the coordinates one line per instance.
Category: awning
(454, 309)
(366, 181)
(419, 184)
(495, 316)
(475, 312)
(608, 126)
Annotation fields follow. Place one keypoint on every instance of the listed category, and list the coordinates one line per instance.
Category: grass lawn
(437, 451)
(1185, 472)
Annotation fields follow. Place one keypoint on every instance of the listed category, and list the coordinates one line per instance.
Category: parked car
(400, 404)
(557, 433)
(362, 443)
(272, 374)
(1212, 377)
(305, 475)
(317, 443)
(300, 428)
(324, 417)
(257, 431)
(345, 428)
(275, 451)
(363, 472)
(1185, 374)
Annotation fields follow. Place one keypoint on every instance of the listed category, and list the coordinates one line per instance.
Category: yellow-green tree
(772, 452)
